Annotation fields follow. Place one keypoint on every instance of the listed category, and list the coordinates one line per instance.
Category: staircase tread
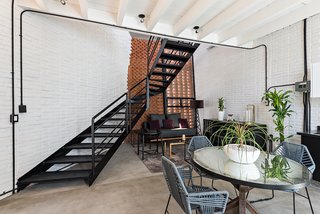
(174, 57)
(158, 80)
(181, 46)
(165, 65)
(156, 85)
(102, 134)
(163, 73)
(74, 159)
(116, 119)
(88, 146)
(57, 175)
(110, 126)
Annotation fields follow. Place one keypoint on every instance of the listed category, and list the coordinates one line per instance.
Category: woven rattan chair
(202, 199)
(198, 142)
(300, 154)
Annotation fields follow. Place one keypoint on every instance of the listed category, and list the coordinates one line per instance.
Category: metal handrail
(127, 120)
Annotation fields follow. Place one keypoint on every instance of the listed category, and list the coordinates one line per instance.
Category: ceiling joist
(190, 17)
(305, 11)
(42, 5)
(273, 11)
(157, 12)
(238, 11)
(123, 4)
(83, 8)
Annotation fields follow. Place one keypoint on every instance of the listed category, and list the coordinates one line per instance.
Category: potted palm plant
(221, 108)
(281, 104)
(238, 141)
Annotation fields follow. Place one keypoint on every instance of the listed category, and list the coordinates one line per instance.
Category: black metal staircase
(85, 155)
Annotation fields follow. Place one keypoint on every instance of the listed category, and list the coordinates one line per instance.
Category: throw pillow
(168, 124)
(175, 118)
(183, 123)
(154, 124)
(159, 117)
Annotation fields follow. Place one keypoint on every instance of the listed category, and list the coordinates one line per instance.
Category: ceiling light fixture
(196, 29)
(141, 17)
(63, 2)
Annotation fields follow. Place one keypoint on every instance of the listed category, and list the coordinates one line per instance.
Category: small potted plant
(221, 108)
(281, 104)
(238, 141)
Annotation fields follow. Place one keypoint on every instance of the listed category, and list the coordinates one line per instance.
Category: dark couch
(165, 132)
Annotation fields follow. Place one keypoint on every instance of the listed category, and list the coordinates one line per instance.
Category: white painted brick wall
(71, 71)
(5, 97)
(238, 75)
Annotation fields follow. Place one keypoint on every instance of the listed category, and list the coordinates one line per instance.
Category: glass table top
(213, 161)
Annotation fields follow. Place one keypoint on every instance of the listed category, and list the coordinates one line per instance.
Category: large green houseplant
(281, 104)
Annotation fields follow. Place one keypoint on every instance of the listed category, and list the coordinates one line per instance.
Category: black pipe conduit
(12, 99)
(126, 28)
(306, 96)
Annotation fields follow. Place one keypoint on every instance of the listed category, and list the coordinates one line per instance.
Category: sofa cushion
(175, 118)
(167, 124)
(183, 123)
(159, 117)
(154, 124)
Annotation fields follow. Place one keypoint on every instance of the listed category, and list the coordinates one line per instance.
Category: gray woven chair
(300, 154)
(198, 142)
(202, 199)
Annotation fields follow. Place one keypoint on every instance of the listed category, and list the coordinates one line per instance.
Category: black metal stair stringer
(119, 120)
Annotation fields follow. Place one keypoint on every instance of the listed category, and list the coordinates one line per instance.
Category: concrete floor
(126, 186)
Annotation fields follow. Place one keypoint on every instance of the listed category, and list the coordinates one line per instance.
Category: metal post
(93, 147)
(148, 93)
(128, 103)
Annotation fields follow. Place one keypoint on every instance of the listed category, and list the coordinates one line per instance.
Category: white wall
(71, 71)
(238, 75)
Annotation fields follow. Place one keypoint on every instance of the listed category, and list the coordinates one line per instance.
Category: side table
(145, 135)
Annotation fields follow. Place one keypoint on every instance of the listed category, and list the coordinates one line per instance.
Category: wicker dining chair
(300, 154)
(198, 142)
(202, 199)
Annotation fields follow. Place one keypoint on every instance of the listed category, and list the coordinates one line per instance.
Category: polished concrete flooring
(126, 186)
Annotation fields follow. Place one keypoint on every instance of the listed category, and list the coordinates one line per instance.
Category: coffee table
(244, 177)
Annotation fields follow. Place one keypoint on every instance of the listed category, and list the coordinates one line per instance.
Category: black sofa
(163, 132)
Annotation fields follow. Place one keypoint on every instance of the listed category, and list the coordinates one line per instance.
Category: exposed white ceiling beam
(233, 14)
(83, 8)
(28, 4)
(42, 5)
(123, 4)
(267, 14)
(295, 16)
(190, 17)
(157, 12)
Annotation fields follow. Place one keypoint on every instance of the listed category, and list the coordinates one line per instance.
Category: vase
(244, 154)
(221, 115)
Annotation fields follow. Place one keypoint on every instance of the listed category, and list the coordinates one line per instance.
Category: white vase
(245, 154)
(221, 115)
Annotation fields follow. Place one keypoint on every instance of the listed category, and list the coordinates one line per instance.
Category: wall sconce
(63, 2)
(141, 18)
(196, 29)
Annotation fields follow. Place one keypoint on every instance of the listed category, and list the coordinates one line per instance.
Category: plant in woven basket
(279, 168)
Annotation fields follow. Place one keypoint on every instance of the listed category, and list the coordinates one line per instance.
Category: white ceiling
(233, 22)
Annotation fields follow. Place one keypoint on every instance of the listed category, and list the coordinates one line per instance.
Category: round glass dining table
(214, 162)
